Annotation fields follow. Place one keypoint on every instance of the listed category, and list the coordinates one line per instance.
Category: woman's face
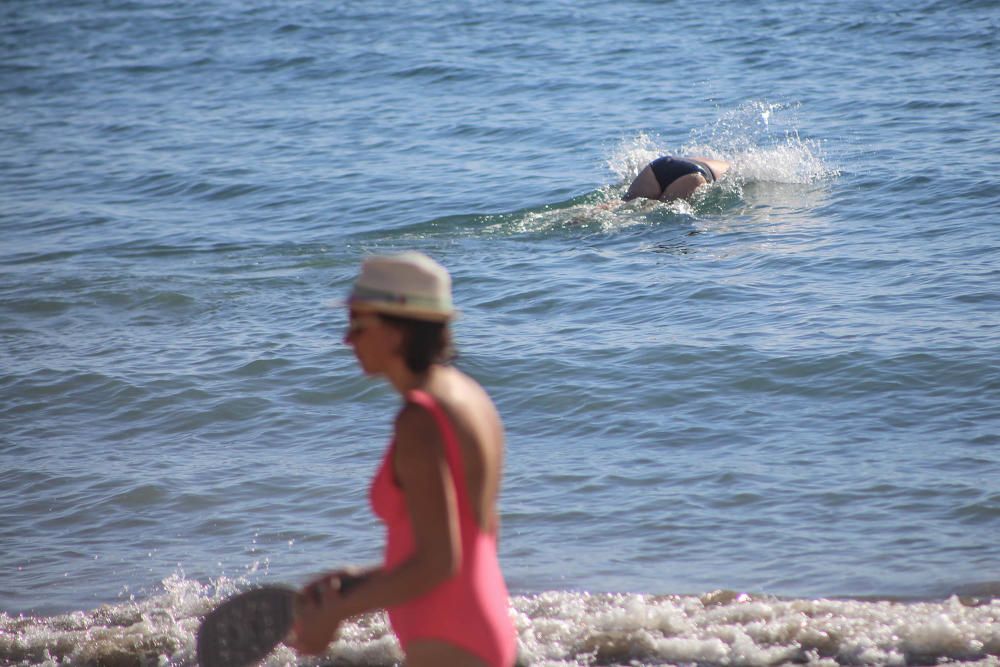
(372, 340)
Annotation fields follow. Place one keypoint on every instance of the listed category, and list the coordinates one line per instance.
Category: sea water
(754, 428)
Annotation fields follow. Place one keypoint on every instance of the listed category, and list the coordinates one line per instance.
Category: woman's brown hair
(424, 343)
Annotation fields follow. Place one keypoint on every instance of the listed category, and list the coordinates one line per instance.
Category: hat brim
(396, 310)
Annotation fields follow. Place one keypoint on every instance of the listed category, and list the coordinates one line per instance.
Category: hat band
(361, 293)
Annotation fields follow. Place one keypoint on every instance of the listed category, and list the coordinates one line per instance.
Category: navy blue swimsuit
(668, 169)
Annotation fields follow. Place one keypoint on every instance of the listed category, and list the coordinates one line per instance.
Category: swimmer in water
(670, 177)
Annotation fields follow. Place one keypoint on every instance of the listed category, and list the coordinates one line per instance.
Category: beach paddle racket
(245, 628)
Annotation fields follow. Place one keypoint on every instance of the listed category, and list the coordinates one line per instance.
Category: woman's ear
(397, 339)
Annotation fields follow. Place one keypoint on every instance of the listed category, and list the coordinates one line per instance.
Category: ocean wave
(557, 628)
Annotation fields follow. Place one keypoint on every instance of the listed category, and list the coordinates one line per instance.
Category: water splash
(761, 139)
(600, 211)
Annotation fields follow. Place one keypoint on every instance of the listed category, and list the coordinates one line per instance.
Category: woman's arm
(422, 471)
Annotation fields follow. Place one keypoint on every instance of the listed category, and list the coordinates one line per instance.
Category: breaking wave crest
(557, 628)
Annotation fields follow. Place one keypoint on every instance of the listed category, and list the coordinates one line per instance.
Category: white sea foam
(724, 629)
(557, 628)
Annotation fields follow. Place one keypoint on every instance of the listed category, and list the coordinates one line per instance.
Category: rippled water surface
(788, 386)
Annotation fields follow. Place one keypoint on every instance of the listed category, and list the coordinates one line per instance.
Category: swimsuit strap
(452, 451)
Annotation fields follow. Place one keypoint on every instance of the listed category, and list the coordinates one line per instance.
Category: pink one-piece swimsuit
(469, 610)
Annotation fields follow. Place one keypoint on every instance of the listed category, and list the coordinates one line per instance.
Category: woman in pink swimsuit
(436, 489)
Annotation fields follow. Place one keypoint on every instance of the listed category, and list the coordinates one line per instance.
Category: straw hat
(408, 284)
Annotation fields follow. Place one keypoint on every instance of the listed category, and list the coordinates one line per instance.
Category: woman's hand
(317, 614)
